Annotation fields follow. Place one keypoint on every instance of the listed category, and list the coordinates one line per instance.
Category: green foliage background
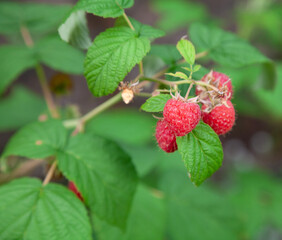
(131, 189)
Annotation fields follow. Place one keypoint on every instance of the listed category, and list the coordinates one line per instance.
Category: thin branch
(41, 75)
(201, 54)
(26, 36)
(110, 102)
(141, 69)
(143, 94)
(46, 92)
(188, 91)
(175, 83)
(24, 169)
(50, 173)
(128, 21)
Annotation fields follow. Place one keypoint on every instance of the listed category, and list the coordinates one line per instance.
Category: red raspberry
(73, 188)
(221, 119)
(165, 137)
(182, 116)
(220, 81)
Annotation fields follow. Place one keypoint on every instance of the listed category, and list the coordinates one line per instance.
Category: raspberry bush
(96, 154)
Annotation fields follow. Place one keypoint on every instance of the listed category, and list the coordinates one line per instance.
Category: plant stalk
(50, 173)
(110, 102)
(46, 92)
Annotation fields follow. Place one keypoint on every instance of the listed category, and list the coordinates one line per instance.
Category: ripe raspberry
(73, 188)
(220, 81)
(182, 116)
(221, 119)
(165, 137)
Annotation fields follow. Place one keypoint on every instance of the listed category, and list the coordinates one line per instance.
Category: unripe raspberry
(165, 137)
(218, 80)
(182, 116)
(221, 119)
(73, 188)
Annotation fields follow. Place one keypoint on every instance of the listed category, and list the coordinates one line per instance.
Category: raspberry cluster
(181, 116)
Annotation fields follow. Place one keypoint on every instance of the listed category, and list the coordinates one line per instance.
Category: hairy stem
(50, 173)
(110, 102)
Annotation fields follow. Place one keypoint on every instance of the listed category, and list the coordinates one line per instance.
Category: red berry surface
(218, 80)
(165, 137)
(221, 119)
(182, 116)
(73, 188)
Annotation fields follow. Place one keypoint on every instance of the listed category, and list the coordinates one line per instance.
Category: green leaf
(37, 18)
(32, 211)
(257, 197)
(144, 158)
(105, 8)
(20, 108)
(104, 175)
(197, 68)
(168, 53)
(51, 51)
(270, 100)
(58, 55)
(146, 220)
(13, 61)
(201, 152)
(156, 103)
(141, 29)
(187, 50)
(152, 65)
(113, 54)
(229, 50)
(74, 30)
(37, 140)
(174, 13)
(197, 213)
(123, 125)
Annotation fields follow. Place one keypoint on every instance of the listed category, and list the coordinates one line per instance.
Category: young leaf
(180, 75)
(187, 50)
(201, 152)
(105, 8)
(20, 108)
(37, 18)
(13, 61)
(74, 30)
(146, 219)
(205, 210)
(229, 50)
(37, 140)
(58, 55)
(113, 54)
(32, 211)
(156, 103)
(124, 126)
(141, 29)
(104, 175)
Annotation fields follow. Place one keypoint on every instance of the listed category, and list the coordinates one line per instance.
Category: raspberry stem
(110, 102)
(169, 83)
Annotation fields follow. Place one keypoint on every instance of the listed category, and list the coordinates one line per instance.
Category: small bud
(127, 95)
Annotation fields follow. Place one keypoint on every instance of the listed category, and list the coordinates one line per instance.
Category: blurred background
(249, 182)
